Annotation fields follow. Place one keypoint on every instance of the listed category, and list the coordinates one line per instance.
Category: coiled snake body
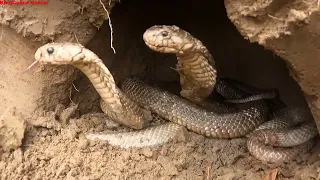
(131, 105)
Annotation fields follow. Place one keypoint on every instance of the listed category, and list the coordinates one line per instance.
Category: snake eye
(50, 50)
(164, 33)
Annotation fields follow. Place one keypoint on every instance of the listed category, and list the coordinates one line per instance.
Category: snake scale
(133, 103)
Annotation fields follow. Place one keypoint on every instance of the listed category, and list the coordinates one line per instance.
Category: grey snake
(133, 103)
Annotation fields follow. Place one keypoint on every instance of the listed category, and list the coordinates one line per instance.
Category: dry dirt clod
(110, 124)
(182, 135)
(68, 113)
(45, 119)
(58, 110)
(147, 152)
(83, 143)
(12, 128)
(63, 170)
(69, 133)
(168, 166)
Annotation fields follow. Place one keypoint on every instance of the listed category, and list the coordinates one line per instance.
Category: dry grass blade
(272, 175)
(110, 25)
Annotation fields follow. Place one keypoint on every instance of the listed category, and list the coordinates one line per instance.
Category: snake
(134, 103)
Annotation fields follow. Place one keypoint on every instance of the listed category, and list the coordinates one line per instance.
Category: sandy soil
(53, 150)
(36, 144)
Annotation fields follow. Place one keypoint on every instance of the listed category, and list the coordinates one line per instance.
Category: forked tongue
(30, 66)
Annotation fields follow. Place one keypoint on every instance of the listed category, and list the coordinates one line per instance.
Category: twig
(208, 173)
(110, 25)
(96, 26)
(74, 86)
(76, 37)
(275, 18)
(70, 94)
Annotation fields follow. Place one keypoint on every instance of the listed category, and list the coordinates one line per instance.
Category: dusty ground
(35, 145)
(54, 151)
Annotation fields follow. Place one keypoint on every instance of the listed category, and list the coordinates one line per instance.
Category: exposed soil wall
(290, 29)
(35, 145)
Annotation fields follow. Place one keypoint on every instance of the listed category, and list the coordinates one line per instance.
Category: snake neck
(114, 102)
(102, 82)
(197, 75)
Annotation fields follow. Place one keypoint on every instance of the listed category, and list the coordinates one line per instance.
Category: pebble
(126, 155)
(83, 144)
(166, 163)
(164, 151)
(75, 162)
(71, 134)
(58, 110)
(147, 152)
(25, 178)
(68, 113)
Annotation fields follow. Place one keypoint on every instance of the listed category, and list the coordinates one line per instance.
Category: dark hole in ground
(235, 57)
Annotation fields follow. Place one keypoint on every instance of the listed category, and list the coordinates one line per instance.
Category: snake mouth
(163, 49)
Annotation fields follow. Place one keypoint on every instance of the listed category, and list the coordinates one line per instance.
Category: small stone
(42, 139)
(126, 155)
(68, 113)
(110, 124)
(18, 156)
(12, 125)
(76, 162)
(164, 151)
(83, 144)
(46, 122)
(20, 169)
(180, 164)
(44, 133)
(71, 134)
(182, 135)
(25, 178)
(58, 110)
(147, 152)
(49, 153)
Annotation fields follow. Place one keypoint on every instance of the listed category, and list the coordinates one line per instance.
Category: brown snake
(195, 63)
(197, 76)
(124, 105)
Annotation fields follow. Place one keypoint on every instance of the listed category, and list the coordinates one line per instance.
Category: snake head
(58, 53)
(170, 39)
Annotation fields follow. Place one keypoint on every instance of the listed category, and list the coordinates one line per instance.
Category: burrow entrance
(235, 56)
